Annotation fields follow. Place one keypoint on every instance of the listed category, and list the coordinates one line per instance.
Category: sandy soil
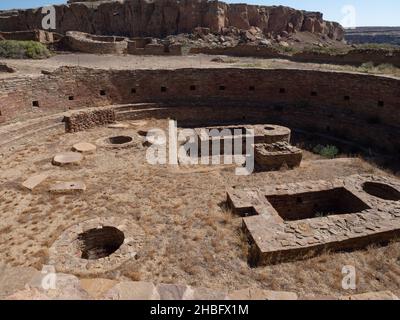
(191, 237)
(34, 67)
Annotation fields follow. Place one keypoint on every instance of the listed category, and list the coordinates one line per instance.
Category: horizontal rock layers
(165, 17)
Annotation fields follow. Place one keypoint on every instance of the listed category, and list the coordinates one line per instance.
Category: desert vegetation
(15, 49)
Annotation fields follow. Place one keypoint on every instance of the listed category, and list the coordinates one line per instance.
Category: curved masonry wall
(79, 41)
(360, 108)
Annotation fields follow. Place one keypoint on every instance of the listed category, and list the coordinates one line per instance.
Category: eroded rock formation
(158, 18)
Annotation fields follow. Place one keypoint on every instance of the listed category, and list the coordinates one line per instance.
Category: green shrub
(14, 49)
(328, 151)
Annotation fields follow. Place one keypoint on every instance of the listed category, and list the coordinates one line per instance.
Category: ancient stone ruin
(80, 194)
(300, 220)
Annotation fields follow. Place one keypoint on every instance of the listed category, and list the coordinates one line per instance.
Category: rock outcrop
(160, 18)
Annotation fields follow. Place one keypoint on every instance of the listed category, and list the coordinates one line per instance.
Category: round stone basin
(120, 141)
(381, 190)
(100, 243)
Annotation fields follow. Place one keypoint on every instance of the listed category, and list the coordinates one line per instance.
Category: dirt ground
(122, 62)
(191, 238)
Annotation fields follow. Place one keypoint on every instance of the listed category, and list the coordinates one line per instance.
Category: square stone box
(239, 135)
(277, 155)
(301, 220)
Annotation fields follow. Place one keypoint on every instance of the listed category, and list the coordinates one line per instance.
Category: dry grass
(191, 237)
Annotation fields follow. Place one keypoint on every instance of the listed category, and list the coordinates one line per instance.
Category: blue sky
(368, 12)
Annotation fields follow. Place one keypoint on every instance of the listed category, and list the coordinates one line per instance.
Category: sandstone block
(84, 147)
(260, 294)
(380, 295)
(67, 158)
(130, 290)
(32, 182)
(96, 288)
(68, 187)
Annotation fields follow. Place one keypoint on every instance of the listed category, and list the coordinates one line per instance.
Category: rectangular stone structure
(301, 220)
(275, 156)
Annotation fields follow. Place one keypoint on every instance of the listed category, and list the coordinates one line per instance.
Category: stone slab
(380, 295)
(58, 286)
(13, 279)
(204, 294)
(131, 290)
(260, 294)
(68, 187)
(84, 147)
(67, 158)
(118, 126)
(171, 291)
(32, 182)
(96, 288)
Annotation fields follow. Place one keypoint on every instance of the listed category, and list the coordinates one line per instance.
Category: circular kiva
(96, 246)
(67, 158)
(84, 147)
(121, 141)
(273, 133)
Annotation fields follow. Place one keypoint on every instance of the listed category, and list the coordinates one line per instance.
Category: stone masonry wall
(86, 120)
(354, 57)
(358, 107)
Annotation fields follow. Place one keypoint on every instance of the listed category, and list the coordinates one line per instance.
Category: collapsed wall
(136, 18)
(362, 108)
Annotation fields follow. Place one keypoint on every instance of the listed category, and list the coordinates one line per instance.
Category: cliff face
(159, 18)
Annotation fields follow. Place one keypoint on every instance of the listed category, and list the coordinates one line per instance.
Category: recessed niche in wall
(192, 88)
(222, 88)
(133, 90)
(71, 98)
(35, 104)
(282, 90)
(346, 98)
(314, 93)
(252, 88)
(163, 89)
(102, 92)
(381, 103)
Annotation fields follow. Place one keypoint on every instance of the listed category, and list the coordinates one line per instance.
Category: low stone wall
(143, 46)
(355, 57)
(83, 42)
(33, 35)
(85, 120)
(363, 108)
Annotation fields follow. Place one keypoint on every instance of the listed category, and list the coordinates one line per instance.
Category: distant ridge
(359, 35)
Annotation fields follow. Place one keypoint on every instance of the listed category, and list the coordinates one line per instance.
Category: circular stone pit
(120, 141)
(96, 246)
(381, 190)
(273, 133)
(100, 242)
(67, 158)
